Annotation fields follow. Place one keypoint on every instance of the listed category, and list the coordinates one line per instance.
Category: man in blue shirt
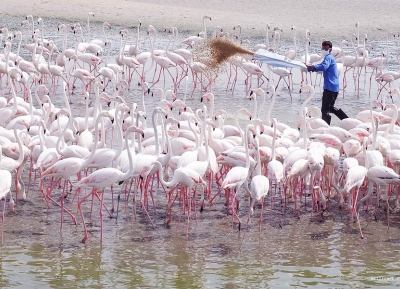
(331, 83)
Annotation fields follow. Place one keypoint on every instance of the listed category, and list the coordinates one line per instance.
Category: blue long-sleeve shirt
(331, 78)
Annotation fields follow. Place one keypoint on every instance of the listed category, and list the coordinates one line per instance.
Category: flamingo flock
(191, 154)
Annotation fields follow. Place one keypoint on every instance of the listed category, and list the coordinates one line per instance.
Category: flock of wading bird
(189, 152)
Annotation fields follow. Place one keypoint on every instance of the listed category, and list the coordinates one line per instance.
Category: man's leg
(338, 112)
(326, 106)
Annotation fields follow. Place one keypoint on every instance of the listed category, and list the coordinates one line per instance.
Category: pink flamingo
(103, 178)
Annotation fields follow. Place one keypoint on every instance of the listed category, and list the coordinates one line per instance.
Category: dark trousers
(328, 106)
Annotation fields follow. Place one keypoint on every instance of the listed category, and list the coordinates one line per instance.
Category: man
(331, 83)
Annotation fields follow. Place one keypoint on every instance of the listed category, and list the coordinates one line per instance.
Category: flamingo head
(237, 26)
(170, 93)
(123, 32)
(376, 103)
(169, 29)
(151, 29)
(271, 89)
(394, 91)
(245, 112)
(299, 124)
(25, 22)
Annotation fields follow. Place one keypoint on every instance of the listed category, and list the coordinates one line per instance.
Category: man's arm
(323, 66)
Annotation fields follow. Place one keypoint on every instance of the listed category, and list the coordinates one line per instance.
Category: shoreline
(336, 20)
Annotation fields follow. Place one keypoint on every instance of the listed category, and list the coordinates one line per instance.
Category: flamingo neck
(169, 148)
(139, 138)
(394, 120)
(271, 106)
(128, 173)
(273, 144)
(89, 159)
(41, 136)
(118, 121)
(206, 143)
(153, 119)
(61, 137)
(108, 54)
(196, 137)
(19, 47)
(30, 100)
(240, 130)
(87, 112)
(246, 147)
(21, 150)
(255, 105)
(258, 167)
(305, 132)
(137, 36)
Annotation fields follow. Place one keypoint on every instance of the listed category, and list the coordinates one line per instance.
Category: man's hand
(310, 67)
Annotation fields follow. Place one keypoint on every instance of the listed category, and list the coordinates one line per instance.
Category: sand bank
(323, 18)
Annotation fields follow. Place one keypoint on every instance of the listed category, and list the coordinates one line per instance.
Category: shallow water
(305, 253)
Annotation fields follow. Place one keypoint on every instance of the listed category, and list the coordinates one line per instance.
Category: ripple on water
(319, 236)
(220, 249)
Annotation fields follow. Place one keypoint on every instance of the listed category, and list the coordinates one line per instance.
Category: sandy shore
(323, 18)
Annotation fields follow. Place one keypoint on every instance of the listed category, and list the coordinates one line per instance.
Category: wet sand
(323, 18)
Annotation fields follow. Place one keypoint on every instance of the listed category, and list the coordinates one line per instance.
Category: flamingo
(103, 178)
(189, 41)
(259, 186)
(236, 177)
(5, 188)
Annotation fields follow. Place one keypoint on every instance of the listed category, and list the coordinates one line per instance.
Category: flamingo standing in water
(236, 177)
(103, 178)
(259, 186)
(5, 187)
